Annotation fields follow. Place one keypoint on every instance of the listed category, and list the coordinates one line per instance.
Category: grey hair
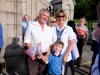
(42, 10)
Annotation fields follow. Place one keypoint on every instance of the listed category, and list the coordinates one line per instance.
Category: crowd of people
(61, 43)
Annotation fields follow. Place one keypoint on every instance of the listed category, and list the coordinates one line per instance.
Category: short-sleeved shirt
(67, 35)
(93, 38)
(55, 64)
(82, 32)
(25, 25)
(34, 34)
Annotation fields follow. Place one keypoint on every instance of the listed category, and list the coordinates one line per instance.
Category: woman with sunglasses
(65, 34)
(52, 21)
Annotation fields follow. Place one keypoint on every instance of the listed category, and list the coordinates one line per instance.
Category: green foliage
(86, 8)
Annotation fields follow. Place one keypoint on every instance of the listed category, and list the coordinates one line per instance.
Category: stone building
(32, 7)
(67, 5)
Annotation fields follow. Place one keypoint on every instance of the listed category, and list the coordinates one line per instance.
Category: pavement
(86, 62)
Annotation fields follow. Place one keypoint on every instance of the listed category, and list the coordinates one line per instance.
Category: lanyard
(59, 33)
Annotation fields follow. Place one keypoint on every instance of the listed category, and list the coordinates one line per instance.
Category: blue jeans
(71, 64)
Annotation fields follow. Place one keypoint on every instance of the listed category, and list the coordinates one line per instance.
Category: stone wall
(11, 19)
(68, 5)
(32, 7)
(12, 53)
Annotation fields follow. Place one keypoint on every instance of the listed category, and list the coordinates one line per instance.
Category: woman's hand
(65, 58)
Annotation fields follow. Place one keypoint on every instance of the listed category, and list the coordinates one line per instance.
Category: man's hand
(40, 56)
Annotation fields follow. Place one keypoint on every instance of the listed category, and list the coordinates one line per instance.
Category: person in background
(52, 21)
(96, 65)
(25, 23)
(74, 52)
(1, 45)
(94, 46)
(39, 32)
(55, 65)
(64, 33)
(82, 35)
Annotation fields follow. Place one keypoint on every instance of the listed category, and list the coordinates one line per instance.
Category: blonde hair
(60, 11)
(51, 19)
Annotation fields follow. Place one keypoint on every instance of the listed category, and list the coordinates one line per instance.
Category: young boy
(55, 65)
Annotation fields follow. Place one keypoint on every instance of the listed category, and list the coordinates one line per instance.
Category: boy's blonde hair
(59, 42)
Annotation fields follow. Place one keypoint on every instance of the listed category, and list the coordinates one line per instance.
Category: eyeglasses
(61, 16)
(53, 22)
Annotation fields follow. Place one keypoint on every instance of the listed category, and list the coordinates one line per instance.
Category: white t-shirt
(67, 35)
(34, 34)
(93, 38)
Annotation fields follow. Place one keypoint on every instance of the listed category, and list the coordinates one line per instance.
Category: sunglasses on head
(61, 16)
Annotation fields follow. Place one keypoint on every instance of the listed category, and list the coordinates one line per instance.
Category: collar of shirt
(37, 23)
(62, 27)
(56, 55)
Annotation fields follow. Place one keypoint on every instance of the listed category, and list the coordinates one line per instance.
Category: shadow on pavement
(83, 70)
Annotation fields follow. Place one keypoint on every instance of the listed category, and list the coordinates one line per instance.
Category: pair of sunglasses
(61, 16)
(53, 21)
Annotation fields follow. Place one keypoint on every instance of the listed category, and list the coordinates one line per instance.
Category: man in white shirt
(39, 32)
